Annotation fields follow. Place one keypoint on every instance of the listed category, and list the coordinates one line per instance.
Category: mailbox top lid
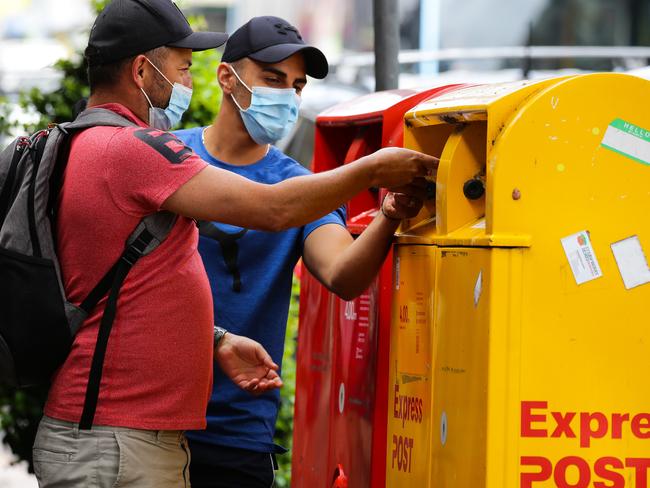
(477, 97)
(375, 104)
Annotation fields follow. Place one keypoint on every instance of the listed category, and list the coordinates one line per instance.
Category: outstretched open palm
(247, 364)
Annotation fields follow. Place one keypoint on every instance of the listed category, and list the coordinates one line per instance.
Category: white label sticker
(581, 256)
(631, 262)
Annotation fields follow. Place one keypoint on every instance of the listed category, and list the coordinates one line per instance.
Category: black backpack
(37, 323)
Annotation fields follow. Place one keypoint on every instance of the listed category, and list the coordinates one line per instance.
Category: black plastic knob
(474, 189)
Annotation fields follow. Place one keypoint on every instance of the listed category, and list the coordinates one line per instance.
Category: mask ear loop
(146, 96)
(145, 93)
(268, 146)
(160, 72)
(237, 103)
(242, 82)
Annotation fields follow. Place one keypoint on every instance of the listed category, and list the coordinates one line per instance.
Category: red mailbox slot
(340, 419)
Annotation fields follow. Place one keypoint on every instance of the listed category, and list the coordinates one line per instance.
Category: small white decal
(631, 262)
(478, 288)
(581, 256)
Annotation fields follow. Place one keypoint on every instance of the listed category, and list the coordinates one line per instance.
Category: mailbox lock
(474, 189)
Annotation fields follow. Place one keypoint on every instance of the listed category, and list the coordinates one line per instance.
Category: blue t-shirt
(250, 275)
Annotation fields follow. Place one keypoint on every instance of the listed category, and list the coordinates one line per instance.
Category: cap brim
(315, 61)
(200, 41)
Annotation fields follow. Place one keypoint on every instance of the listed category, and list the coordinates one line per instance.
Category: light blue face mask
(179, 102)
(272, 113)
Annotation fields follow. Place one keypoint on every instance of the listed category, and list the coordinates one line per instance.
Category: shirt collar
(120, 109)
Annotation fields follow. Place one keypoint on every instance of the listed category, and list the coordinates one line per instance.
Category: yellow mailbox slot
(520, 340)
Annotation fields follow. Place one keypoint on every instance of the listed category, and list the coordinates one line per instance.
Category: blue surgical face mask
(179, 102)
(272, 113)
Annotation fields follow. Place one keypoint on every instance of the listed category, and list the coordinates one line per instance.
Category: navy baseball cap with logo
(127, 28)
(271, 40)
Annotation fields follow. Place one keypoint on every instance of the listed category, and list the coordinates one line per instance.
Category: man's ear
(138, 70)
(226, 78)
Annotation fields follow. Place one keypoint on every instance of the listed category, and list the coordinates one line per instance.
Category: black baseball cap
(126, 28)
(270, 40)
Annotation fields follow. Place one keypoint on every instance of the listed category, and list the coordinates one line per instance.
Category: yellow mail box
(520, 338)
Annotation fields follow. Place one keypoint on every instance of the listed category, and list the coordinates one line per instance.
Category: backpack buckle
(135, 250)
(131, 255)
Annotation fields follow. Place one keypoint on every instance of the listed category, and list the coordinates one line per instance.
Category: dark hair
(107, 75)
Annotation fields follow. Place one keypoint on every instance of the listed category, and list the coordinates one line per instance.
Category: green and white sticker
(629, 140)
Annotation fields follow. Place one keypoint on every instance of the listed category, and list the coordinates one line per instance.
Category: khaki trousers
(109, 457)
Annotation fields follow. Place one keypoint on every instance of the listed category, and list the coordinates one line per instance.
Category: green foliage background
(284, 425)
(21, 410)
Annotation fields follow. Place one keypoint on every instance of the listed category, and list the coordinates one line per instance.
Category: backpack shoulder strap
(147, 236)
(93, 117)
(159, 225)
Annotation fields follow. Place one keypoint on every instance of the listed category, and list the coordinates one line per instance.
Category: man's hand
(398, 206)
(405, 202)
(247, 364)
(394, 167)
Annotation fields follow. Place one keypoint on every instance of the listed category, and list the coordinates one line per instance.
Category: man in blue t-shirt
(262, 74)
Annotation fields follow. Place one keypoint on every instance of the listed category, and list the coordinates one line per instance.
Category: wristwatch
(219, 332)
